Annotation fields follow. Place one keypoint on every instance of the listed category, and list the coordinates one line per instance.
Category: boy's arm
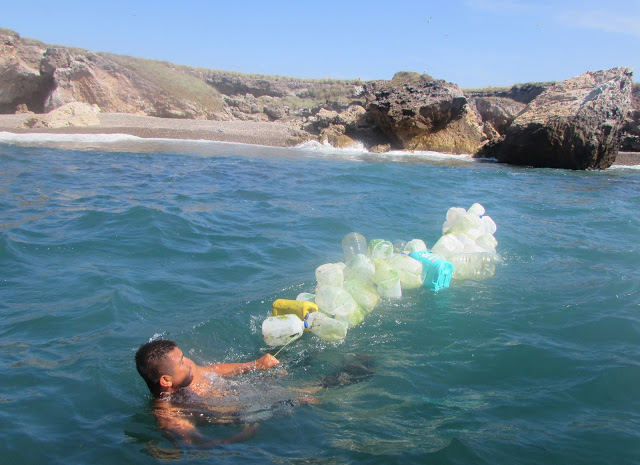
(230, 369)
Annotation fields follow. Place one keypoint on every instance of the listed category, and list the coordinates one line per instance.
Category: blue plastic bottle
(435, 270)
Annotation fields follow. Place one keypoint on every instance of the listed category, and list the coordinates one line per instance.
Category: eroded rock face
(427, 116)
(497, 112)
(631, 128)
(20, 84)
(575, 124)
(93, 78)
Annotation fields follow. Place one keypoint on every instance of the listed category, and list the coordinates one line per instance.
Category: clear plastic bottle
(409, 270)
(353, 244)
(387, 280)
(414, 245)
(447, 245)
(338, 303)
(279, 330)
(361, 267)
(399, 245)
(306, 297)
(379, 248)
(330, 274)
(364, 295)
(327, 328)
(489, 225)
(481, 265)
(476, 209)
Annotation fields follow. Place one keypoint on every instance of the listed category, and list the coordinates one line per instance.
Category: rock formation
(96, 79)
(20, 82)
(631, 128)
(73, 114)
(575, 124)
(428, 115)
(497, 113)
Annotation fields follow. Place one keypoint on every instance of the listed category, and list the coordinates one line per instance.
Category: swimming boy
(174, 379)
(179, 387)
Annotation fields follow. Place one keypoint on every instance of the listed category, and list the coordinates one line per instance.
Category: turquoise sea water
(108, 242)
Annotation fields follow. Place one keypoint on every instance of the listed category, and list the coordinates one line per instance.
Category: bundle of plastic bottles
(346, 292)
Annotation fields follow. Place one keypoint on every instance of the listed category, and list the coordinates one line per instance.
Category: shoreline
(273, 134)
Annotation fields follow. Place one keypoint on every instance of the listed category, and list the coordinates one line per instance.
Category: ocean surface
(107, 242)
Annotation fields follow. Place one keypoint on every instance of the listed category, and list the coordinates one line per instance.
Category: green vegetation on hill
(172, 79)
(409, 77)
(514, 88)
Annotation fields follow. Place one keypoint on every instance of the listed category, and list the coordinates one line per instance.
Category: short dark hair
(151, 361)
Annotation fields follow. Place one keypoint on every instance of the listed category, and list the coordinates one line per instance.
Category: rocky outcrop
(432, 115)
(631, 128)
(93, 78)
(497, 114)
(522, 93)
(575, 124)
(238, 84)
(74, 114)
(20, 83)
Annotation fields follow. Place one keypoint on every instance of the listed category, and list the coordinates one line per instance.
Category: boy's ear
(166, 381)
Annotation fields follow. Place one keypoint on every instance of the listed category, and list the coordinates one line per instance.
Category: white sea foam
(117, 142)
(359, 152)
(46, 138)
(135, 144)
(326, 148)
(624, 167)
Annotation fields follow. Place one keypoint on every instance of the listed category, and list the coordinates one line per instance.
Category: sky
(472, 43)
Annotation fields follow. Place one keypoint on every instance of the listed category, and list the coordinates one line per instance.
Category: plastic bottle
(327, 328)
(279, 330)
(487, 243)
(387, 280)
(364, 295)
(338, 303)
(409, 270)
(353, 244)
(476, 209)
(447, 245)
(469, 224)
(361, 267)
(481, 265)
(306, 297)
(330, 274)
(379, 248)
(489, 225)
(436, 271)
(399, 245)
(453, 216)
(294, 307)
(414, 245)
(469, 243)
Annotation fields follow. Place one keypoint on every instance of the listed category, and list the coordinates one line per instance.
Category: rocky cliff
(574, 124)
(411, 111)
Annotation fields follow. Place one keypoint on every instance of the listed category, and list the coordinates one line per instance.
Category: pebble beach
(245, 132)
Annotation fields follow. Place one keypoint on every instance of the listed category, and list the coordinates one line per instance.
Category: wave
(624, 167)
(359, 153)
(43, 138)
(135, 144)
(119, 143)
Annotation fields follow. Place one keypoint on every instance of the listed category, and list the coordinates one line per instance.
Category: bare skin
(185, 380)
